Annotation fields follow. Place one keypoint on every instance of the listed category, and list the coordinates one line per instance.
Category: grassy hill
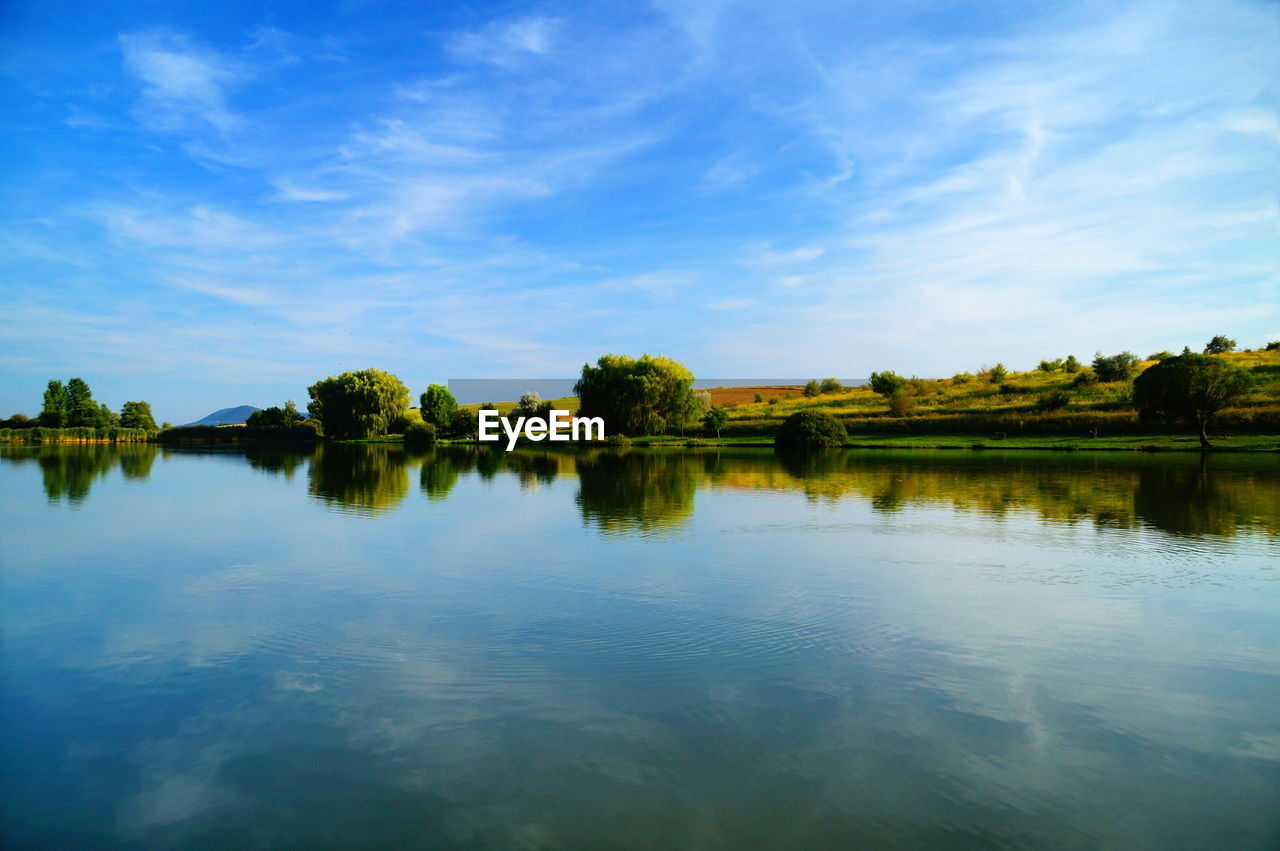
(1020, 404)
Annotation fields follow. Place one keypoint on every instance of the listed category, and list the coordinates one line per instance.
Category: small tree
(1189, 387)
(715, 419)
(1158, 356)
(831, 385)
(810, 429)
(887, 383)
(137, 415)
(1116, 367)
(901, 404)
(437, 406)
(1273, 346)
(1050, 365)
(813, 388)
(1071, 364)
(1220, 345)
(996, 374)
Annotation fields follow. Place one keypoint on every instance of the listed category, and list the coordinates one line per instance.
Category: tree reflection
(362, 479)
(69, 471)
(275, 460)
(637, 491)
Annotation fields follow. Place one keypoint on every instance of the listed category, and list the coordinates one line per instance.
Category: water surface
(368, 647)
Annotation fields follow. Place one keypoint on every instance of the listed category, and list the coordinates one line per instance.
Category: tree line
(71, 405)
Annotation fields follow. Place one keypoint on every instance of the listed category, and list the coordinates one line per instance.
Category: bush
(1219, 345)
(901, 404)
(758, 398)
(813, 388)
(1119, 367)
(1071, 364)
(1085, 378)
(1273, 346)
(420, 432)
(1055, 401)
(887, 383)
(1159, 356)
(996, 374)
(772, 401)
(617, 440)
(1007, 389)
(1050, 365)
(831, 385)
(810, 430)
(962, 378)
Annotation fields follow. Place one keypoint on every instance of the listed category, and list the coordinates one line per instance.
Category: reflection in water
(69, 470)
(661, 649)
(274, 459)
(361, 479)
(638, 491)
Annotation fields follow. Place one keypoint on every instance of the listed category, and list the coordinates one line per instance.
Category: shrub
(1085, 378)
(1119, 367)
(813, 388)
(831, 385)
(1007, 389)
(962, 378)
(774, 401)
(1050, 365)
(997, 373)
(758, 398)
(901, 404)
(1273, 346)
(1055, 401)
(617, 440)
(420, 432)
(1071, 364)
(811, 430)
(1220, 344)
(887, 383)
(1159, 356)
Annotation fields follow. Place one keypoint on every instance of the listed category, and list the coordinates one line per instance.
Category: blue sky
(217, 204)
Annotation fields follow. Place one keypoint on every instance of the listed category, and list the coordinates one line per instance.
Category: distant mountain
(227, 416)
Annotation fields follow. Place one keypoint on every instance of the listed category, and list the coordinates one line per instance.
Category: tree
(636, 395)
(1163, 355)
(137, 415)
(81, 409)
(1050, 365)
(995, 374)
(1220, 345)
(437, 406)
(53, 414)
(813, 388)
(1189, 387)
(532, 405)
(887, 383)
(1071, 364)
(810, 429)
(1116, 367)
(715, 419)
(831, 385)
(275, 417)
(357, 404)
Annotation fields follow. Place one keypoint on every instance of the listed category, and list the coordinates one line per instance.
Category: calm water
(364, 647)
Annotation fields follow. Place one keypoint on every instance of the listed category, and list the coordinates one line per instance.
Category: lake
(373, 647)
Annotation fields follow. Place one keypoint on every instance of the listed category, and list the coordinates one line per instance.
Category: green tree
(1071, 364)
(357, 404)
(887, 383)
(1219, 345)
(1116, 367)
(137, 415)
(831, 385)
(636, 395)
(53, 414)
(81, 409)
(1164, 355)
(437, 406)
(1189, 387)
(810, 429)
(715, 419)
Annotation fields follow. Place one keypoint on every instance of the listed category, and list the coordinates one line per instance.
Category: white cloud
(183, 84)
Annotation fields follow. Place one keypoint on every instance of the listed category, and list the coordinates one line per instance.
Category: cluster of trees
(826, 385)
(71, 405)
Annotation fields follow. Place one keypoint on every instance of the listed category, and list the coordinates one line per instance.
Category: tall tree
(437, 406)
(357, 404)
(81, 409)
(1189, 387)
(53, 414)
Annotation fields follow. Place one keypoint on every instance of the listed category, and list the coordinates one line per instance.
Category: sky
(209, 205)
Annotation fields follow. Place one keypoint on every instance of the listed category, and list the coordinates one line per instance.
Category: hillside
(226, 416)
(1018, 403)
